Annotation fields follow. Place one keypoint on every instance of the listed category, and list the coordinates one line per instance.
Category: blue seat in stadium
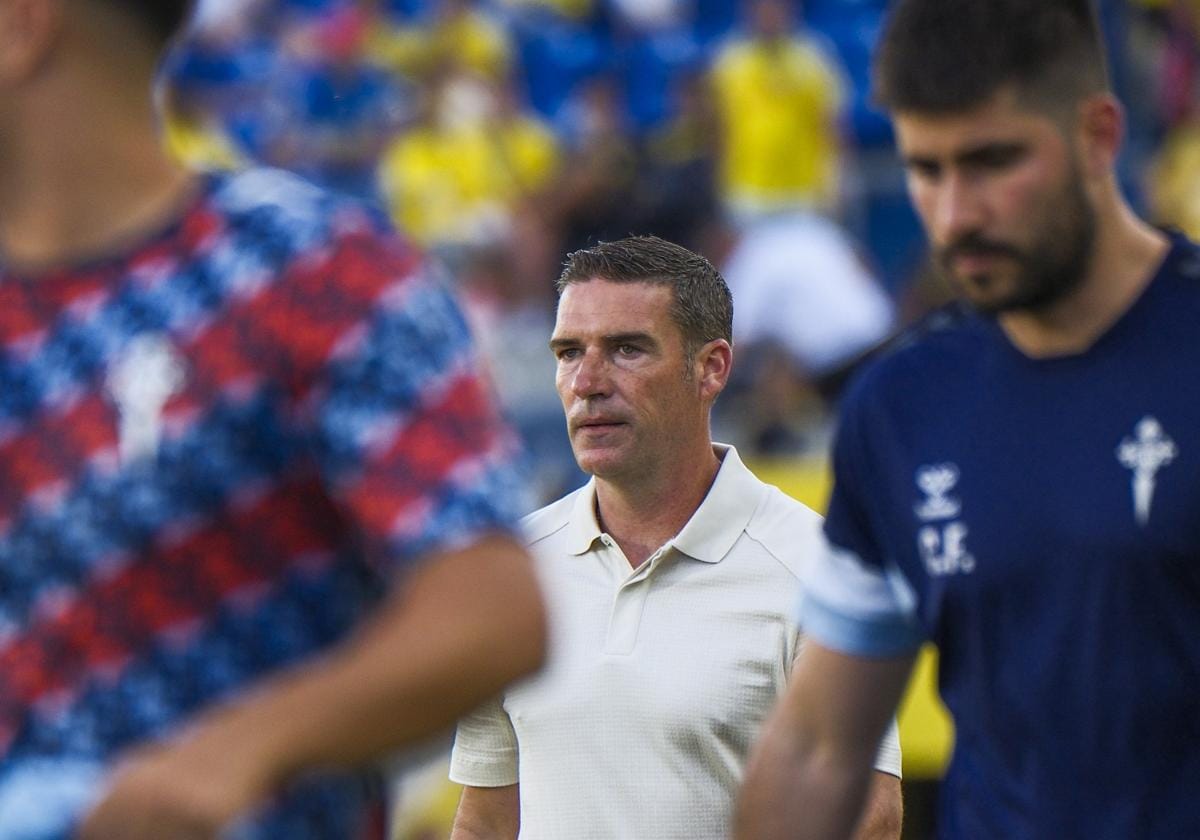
(853, 36)
(650, 66)
(556, 56)
(715, 18)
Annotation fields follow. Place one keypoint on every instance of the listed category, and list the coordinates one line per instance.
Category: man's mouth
(599, 424)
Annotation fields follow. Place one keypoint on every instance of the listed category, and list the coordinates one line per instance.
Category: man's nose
(959, 208)
(591, 376)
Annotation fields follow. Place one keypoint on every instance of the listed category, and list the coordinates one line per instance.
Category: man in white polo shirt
(670, 577)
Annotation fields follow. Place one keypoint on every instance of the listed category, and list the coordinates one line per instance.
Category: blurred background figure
(780, 96)
(807, 307)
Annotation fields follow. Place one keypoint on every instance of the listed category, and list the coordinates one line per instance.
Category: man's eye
(628, 350)
(568, 353)
(923, 170)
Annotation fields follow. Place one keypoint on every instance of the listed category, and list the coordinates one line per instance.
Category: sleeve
(485, 748)
(406, 434)
(887, 760)
(854, 600)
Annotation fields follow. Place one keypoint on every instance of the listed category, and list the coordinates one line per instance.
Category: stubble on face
(1053, 265)
(631, 418)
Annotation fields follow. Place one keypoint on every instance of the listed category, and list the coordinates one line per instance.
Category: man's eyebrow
(983, 153)
(560, 343)
(609, 339)
(629, 338)
(992, 152)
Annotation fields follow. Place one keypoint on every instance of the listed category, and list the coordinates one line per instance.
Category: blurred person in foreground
(1017, 483)
(670, 579)
(255, 509)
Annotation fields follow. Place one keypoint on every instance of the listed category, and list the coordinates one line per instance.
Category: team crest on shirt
(1146, 452)
(942, 546)
(936, 481)
(144, 376)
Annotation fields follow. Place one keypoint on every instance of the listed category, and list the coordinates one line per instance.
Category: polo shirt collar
(583, 529)
(725, 512)
(712, 530)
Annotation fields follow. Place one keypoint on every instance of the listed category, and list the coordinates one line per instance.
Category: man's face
(623, 377)
(1001, 195)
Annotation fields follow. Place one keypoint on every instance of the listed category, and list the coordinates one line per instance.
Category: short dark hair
(947, 56)
(702, 307)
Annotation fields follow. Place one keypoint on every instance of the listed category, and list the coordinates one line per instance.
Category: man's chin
(988, 294)
(601, 462)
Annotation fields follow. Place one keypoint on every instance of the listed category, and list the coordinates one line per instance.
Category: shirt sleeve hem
(857, 636)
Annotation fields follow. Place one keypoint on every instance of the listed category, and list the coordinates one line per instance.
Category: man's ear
(28, 32)
(1101, 128)
(712, 365)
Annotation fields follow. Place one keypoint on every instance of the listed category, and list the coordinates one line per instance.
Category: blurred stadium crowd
(501, 134)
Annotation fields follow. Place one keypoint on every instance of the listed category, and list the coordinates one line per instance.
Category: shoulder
(787, 529)
(1184, 259)
(282, 194)
(316, 244)
(924, 362)
(549, 520)
(288, 215)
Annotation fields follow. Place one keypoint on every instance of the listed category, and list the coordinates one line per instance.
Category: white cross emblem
(1148, 451)
(140, 382)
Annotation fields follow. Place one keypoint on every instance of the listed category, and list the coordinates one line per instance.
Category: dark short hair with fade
(947, 56)
(702, 306)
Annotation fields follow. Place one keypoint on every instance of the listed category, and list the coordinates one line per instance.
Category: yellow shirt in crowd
(452, 185)
(779, 106)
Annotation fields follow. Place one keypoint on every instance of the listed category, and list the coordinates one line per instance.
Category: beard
(1050, 268)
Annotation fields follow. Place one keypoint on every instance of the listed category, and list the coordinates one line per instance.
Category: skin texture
(637, 408)
(637, 412)
(1001, 194)
(1024, 217)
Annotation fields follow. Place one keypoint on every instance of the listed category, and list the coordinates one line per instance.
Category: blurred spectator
(202, 86)
(458, 33)
(806, 306)
(569, 9)
(1174, 182)
(651, 15)
(343, 109)
(194, 136)
(779, 96)
(677, 185)
(511, 314)
(595, 194)
(454, 178)
(1175, 178)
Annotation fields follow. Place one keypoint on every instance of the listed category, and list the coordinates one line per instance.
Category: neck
(641, 515)
(1126, 254)
(82, 167)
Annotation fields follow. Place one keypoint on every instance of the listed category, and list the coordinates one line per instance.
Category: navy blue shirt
(1039, 519)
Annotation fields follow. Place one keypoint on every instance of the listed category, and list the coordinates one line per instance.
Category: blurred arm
(883, 816)
(811, 768)
(462, 626)
(488, 814)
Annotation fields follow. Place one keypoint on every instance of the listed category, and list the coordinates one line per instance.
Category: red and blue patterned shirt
(215, 451)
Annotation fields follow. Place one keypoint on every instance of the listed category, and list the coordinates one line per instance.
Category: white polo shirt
(659, 677)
